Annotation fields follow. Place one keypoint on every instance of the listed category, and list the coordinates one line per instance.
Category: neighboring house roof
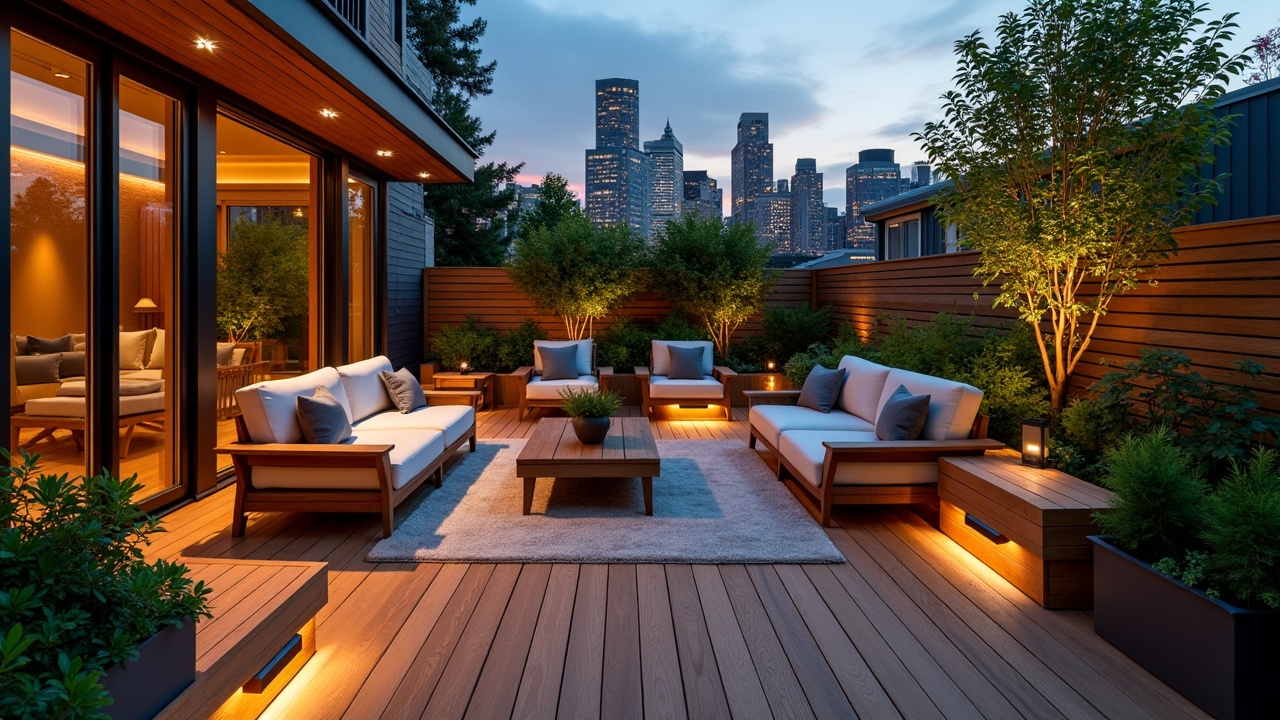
(837, 258)
(906, 202)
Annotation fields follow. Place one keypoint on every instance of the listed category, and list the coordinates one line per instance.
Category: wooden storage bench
(1027, 524)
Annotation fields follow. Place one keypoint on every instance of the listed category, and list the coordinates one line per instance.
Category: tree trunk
(1058, 393)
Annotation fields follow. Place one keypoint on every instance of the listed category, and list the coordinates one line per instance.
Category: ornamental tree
(578, 271)
(1075, 142)
(713, 272)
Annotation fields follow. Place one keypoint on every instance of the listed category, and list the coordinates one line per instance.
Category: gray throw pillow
(47, 346)
(37, 369)
(323, 420)
(20, 345)
(72, 365)
(559, 363)
(686, 362)
(821, 388)
(404, 390)
(903, 416)
(225, 352)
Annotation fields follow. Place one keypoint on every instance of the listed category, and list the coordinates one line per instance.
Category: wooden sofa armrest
(524, 373)
(906, 450)
(603, 376)
(332, 455)
(723, 373)
(642, 372)
(771, 397)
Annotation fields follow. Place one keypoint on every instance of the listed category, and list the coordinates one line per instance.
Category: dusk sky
(835, 77)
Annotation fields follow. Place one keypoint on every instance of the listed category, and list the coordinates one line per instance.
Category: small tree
(713, 272)
(578, 271)
(262, 278)
(555, 203)
(1076, 145)
(1266, 56)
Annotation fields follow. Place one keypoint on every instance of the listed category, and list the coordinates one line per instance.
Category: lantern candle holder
(1035, 442)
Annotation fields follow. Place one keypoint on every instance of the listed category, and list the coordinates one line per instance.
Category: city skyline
(703, 72)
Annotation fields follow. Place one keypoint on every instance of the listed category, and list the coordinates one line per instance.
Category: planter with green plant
(590, 411)
(1187, 579)
(85, 612)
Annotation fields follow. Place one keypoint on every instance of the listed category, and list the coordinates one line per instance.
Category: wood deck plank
(584, 658)
(621, 694)
(778, 679)
(738, 673)
(659, 658)
(539, 692)
(703, 691)
(495, 691)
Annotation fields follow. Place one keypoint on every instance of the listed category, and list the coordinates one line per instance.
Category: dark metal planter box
(166, 666)
(1219, 656)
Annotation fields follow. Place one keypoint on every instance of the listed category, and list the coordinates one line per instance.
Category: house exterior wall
(408, 252)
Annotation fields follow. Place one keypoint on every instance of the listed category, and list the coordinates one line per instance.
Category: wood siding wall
(406, 258)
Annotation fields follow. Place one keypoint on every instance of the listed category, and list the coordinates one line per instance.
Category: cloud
(929, 35)
(903, 128)
(543, 104)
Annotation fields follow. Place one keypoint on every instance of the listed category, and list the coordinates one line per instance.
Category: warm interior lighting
(60, 74)
(205, 44)
(299, 213)
(146, 305)
(384, 153)
(329, 113)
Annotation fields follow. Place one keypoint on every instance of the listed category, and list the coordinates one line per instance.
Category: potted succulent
(1187, 581)
(93, 629)
(590, 410)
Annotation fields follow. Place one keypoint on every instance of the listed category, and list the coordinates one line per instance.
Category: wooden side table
(1029, 525)
(482, 381)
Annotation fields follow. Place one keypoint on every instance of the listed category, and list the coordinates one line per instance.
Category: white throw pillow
(225, 353)
(133, 349)
(237, 356)
(157, 352)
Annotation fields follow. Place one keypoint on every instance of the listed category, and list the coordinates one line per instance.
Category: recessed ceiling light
(329, 113)
(384, 153)
(222, 152)
(424, 175)
(204, 44)
(60, 74)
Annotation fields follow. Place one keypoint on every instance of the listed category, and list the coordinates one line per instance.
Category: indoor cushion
(237, 356)
(952, 405)
(133, 349)
(404, 390)
(362, 382)
(558, 363)
(863, 385)
(702, 389)
(539, 389)
(821, 389)
(686, 363)
(74, 406)
(20, 345)
(805, 451)
(270, 410)
(413, 452)
(323, 419)
(156, 361)
(46, 346)
(33, 369)
(453, 420)
(128, 387)
(772, 420)
(903, 416)
(225, 352)
(72, 365)
(662, 356)
(584, 353)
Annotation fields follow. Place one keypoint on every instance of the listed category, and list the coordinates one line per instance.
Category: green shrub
(1083, 433)
(1159, 497)
(582, 402)
(76, 595)
(943, 347)
(469, 341)
(789, 329)
(515, 347)
(624, 345)
(798, 367)
(1010, 395)
(1242, 532)
(677, 327)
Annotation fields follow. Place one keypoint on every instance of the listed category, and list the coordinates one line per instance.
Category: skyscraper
(773, 217)
(666, 190)
(833, 227)
(921, 173)
(618, 174)
(752, 165)
(807, 216)
(874, 177)
(701, 195)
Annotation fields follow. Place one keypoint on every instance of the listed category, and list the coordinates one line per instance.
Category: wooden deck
(912, 626)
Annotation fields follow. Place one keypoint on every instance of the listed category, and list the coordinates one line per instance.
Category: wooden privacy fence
(1217, 300)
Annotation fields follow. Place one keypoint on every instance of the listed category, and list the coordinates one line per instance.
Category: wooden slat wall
(487, 293)
(1217, 300)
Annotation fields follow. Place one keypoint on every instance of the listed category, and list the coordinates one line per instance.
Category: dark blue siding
(406, 257)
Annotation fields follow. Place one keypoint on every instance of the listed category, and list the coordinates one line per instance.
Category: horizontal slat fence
(1217, 300)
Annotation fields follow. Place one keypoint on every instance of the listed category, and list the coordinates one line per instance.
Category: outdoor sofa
(837, 458)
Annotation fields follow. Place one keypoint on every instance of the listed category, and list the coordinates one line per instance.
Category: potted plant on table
(92, 628)
(1186, 581)
(590, 410)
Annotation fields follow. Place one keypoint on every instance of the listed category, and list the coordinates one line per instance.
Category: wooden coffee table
(554, 451)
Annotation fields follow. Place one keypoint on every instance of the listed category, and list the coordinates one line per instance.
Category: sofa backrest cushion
(133, 348)
(662, 356)
(362, 381)
(584, 353)
(36, 369)
(864, 383)
(270, 408)
(952, 405)
(48, 346)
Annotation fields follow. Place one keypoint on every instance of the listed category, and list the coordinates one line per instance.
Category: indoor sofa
(387, 457)
(837, 458)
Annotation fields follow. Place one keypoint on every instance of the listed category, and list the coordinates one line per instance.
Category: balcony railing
(415, 73)
(353, 11)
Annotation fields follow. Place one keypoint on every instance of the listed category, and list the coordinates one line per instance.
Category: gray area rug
(716, 502)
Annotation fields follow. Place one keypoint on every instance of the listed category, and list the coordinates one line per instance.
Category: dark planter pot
(591, 430)
(166, 665)
(1219, 656)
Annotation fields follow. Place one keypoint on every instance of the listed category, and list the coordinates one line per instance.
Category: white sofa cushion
(584, 353)
(863, 386)
(415, 449)
(805, 451)
(452, 420)
(705, 389)
(62, 406)
(366, 394)
(773, 420)
(662, 357)
(270, 408)
(539, 389)
(952, 405)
